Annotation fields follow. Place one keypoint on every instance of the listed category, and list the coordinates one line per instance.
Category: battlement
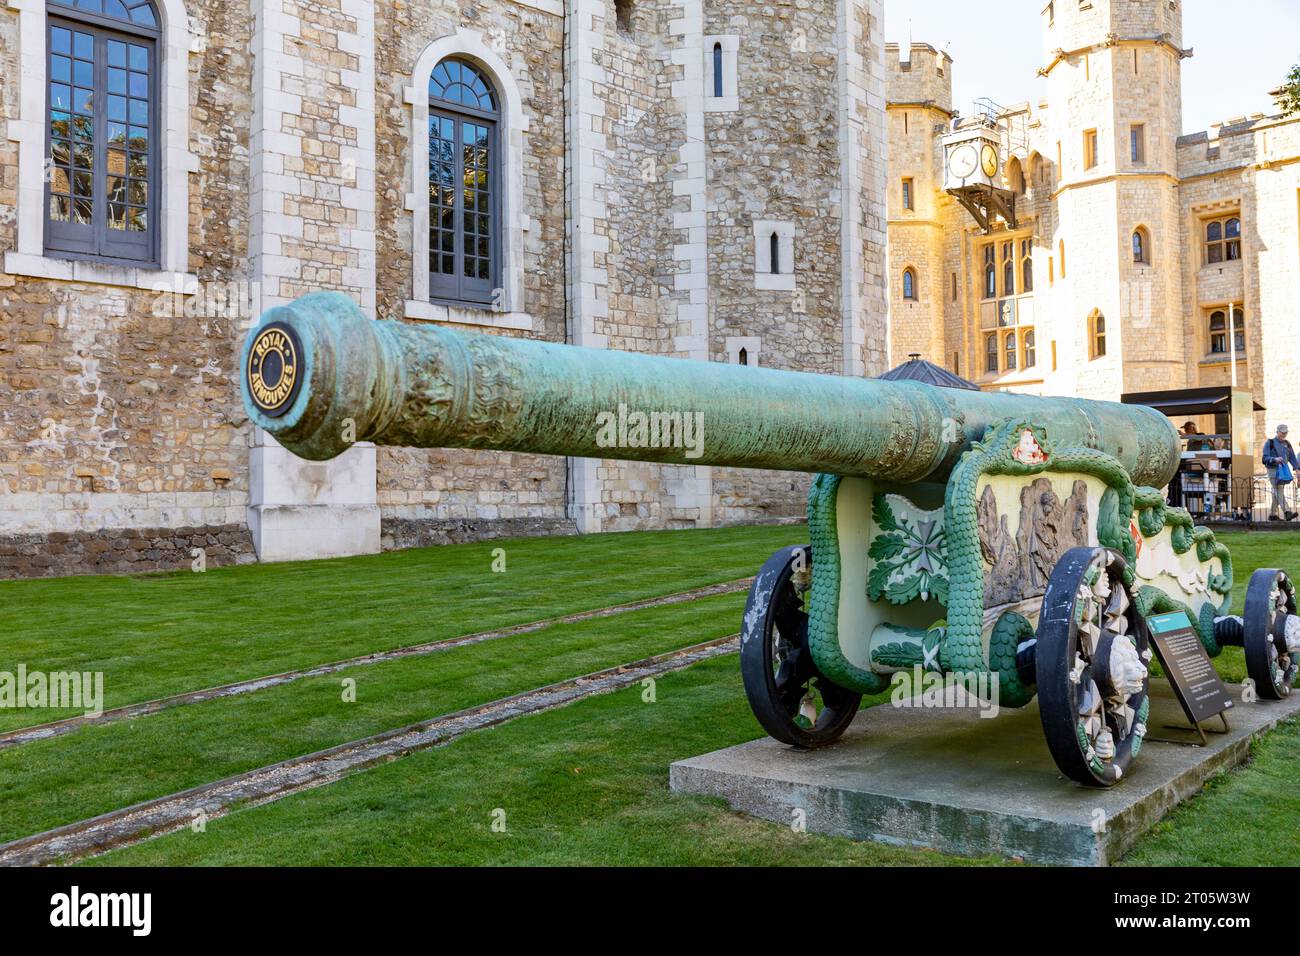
(918, 74)
(1076, 25)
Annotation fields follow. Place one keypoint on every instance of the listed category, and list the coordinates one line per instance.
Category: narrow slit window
(717, 71)
(774, 246)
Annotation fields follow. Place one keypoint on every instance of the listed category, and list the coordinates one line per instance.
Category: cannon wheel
(793, 701)
(1090, 663)
(1270, 600)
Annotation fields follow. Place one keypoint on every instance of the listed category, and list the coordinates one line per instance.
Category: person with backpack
(1280, 461)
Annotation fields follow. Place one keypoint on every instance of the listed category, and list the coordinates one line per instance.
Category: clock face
(989, 160)
(963, 161)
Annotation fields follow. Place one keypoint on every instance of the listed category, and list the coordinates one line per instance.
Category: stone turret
(918, 85)
(1114, 78)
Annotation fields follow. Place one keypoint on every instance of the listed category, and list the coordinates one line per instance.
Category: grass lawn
(162, 634)
(51, 782)
(585, 784)
(1250, 817)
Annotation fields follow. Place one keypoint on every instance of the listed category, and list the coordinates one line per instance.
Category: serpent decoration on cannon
(1015, 538)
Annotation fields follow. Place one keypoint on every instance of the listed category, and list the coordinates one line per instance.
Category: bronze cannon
(1019, 544)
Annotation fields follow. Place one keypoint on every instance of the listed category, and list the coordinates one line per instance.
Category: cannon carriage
(1019, 543)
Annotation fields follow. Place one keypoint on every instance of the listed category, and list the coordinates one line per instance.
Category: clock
(989, 160)
(963, 161)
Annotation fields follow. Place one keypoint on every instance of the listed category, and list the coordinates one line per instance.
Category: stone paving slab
(949, 780)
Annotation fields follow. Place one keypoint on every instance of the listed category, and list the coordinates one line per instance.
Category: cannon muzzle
(318, 375)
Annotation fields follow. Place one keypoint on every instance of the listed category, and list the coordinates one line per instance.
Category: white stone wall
(1110, 64)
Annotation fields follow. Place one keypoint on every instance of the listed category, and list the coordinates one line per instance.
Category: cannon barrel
(318, 374)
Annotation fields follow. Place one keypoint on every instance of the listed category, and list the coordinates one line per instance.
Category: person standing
(1280, 462)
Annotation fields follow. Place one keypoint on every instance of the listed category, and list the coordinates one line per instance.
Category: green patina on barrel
(433, 387)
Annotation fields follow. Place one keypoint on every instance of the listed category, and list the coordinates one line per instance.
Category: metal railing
(1218, 498)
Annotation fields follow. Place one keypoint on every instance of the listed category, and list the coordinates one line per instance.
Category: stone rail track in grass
(157, 817)
(23, 735)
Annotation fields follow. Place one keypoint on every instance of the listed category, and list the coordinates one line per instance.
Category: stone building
(694, 178)
(1133, 248)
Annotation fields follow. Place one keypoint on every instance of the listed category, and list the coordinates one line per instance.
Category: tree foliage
(1288, 95)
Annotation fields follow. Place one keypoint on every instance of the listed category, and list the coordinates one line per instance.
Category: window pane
(60, 153)
(143, 15)
(60, 209)
(60, 41)
(60, 181)
(1216, 253)
(1234, 228)
(1214, 232)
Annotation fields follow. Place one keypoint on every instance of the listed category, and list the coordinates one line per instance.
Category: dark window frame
(96, 241)
(457, 288)
(1222, 244)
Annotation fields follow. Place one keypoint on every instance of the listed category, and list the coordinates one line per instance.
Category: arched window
(774, 251)
(1141, 247)
(101, 189)
(991, 353)
(1223, 240)
(990, 273)
(1030, 350)
(1008, 268)
(1096, 335)
(717, 70)
(1010, 347)
(1026, 265)
(743, 357)
(464, 192)
(909, 284)
(1219, 331)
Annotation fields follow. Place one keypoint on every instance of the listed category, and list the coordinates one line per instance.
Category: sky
(997, 49)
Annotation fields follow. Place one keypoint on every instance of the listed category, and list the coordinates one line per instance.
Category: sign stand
(1196, 683)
